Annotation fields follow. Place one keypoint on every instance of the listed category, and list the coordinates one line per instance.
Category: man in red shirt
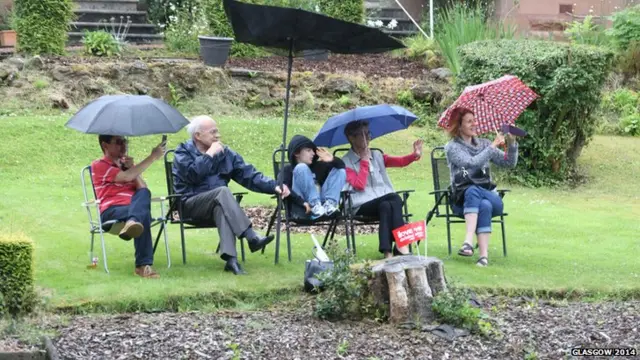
(124, 196)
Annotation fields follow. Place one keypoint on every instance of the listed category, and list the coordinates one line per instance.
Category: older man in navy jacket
(202, 169)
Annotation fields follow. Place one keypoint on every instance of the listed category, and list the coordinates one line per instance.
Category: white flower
(379, 23)
(317, 8)
(371, 23)
(392, 24)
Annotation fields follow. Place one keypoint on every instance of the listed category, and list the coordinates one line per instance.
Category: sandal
(463, 250)
(482, 261)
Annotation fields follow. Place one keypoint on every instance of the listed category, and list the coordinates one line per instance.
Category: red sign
(410, 233)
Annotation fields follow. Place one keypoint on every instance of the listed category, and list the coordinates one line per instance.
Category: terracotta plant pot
(8, 38)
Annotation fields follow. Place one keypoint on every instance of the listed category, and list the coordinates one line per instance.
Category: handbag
(463, 179)
(312, 268)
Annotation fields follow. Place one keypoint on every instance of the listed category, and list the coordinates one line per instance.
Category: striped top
(108, 192)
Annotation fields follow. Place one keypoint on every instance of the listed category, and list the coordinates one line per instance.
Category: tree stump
(407, 284)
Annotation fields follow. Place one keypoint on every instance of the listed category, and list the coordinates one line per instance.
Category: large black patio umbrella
(294, 30)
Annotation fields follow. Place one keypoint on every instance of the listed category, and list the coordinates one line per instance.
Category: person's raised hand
(158, 151)
(499, 140)
(127, 161)
(215, 148)
(365, 154)
(417, 148)
(324, 155)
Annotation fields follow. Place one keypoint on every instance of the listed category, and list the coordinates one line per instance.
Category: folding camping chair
(97, 226)
(358, 220)
(175, 213)
(289, 221)
(442, 194)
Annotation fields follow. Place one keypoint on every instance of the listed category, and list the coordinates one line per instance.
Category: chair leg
(91, 248)
(104, 251)
(166, 245)
(278, 222)
(449, 235)
(330, 231)
(242, 249)
(155, 244)
(184, 252)
(287, 223)
(353, 236)
(504, 237)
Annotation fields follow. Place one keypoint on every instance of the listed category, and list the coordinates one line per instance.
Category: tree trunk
(407, 284)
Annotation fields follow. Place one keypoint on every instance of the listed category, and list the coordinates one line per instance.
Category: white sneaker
(330, 207)
(317, 210)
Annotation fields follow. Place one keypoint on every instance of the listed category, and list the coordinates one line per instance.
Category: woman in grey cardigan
(468, 153)
(373, 193)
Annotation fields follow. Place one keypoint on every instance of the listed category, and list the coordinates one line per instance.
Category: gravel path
(547, 330)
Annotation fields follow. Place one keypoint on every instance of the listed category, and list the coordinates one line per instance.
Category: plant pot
(214, 50)
(8, 38)
(316, 55)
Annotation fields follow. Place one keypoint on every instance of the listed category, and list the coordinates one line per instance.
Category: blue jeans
(139, 210)
(304, 184)
(485, 203)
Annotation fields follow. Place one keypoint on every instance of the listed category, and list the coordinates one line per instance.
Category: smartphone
(164, 139)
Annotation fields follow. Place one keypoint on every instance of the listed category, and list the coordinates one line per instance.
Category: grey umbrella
(127, 115)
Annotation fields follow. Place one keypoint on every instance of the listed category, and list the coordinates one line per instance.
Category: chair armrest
(503, 190)
(439, 192)
(239, 196)
(405, 191)
(91, 202)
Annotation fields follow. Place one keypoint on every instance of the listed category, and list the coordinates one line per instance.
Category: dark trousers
(388, 209)
(219, 208)
(140, 211)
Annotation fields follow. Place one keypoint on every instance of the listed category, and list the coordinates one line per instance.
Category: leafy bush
(569, 80)
(419, 47)
(587, 32)
(626, 27)
(452, 307)
(462, 24)
(630, 124)
(628, 60)
(346, 293)
(182, 34)
(164, 12)
(100, 43)
(348, 10)
(42, 25)
(621, 102)
(16, 274)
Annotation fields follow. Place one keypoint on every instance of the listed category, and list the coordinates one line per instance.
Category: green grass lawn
(559, 239)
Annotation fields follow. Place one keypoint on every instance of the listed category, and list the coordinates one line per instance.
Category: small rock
(17, 62)
(340, 86)
(426, 93)
(93, 87)
(60, 73)
(138, 67)
(238, 72)
(59, 102)
(141, 88)
(442, 73)
(35, 63)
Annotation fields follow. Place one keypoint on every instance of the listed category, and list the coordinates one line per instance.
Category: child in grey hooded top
(467, 152)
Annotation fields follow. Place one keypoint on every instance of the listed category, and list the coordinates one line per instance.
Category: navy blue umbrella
(127, 115)
(383, 119)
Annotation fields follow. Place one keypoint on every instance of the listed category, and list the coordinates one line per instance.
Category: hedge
(16, 274)
(348, 10)
(42, 25)
(568, 78)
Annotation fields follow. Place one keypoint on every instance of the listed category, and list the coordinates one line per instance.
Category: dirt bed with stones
(544, 330)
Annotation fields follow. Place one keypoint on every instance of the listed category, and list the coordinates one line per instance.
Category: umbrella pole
(282, 149)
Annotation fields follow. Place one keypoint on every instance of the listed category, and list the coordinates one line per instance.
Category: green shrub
(100, 43)
(421, 48)
(42, 25)
(628, 60)
(587, 32)
(569, 80)
(626, 27)
(346, 292)
(462, 24)
(452, 307)
(621, 102)
(630, 124)
(16, 274)
(182, 34)
(348, 10)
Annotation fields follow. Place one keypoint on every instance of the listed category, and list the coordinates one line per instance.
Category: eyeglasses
(120, 142)
(359, 133)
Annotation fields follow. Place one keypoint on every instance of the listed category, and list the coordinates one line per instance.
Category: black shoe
(259, 242)
(397, 252)
(233, 266)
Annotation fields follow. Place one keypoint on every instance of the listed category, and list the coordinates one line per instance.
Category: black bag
(463, 179)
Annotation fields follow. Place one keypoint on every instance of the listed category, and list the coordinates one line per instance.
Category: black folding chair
(175, 213)
(289, 221)
(97, 226)
(442, 194)
(357, 220)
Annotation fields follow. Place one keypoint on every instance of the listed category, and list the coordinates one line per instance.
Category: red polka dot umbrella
(494, 103)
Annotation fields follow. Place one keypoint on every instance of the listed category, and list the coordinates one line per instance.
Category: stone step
(106, 15)
(75, 38)
(117, 5)
(95, 26)
(387, 12)
(400, 33)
